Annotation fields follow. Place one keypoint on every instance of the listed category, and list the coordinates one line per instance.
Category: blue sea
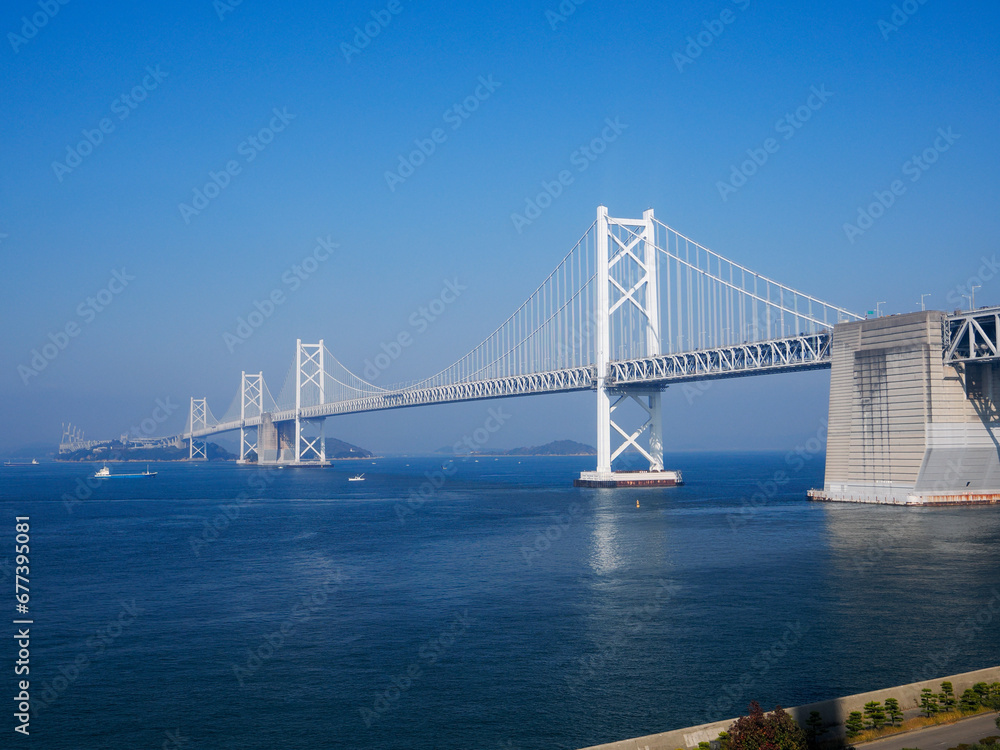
(478, 604)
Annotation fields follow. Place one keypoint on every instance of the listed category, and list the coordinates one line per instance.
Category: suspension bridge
(632, 308)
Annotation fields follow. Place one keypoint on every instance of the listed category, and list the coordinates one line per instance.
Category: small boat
(358, 478)
(105, 473)
(32, 462)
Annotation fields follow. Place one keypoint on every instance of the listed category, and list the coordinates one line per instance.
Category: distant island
(339, 449)
(115, 450)
(555, 448)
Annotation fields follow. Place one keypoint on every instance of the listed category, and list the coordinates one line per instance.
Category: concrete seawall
(834, 713)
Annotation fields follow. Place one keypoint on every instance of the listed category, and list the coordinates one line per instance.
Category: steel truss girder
(555, 381)
(789, 354)
(972, 336)
(793, 353)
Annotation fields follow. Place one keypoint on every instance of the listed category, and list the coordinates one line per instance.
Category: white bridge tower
(252, 405)
(627, 273)
(310, 380)
(198, 449)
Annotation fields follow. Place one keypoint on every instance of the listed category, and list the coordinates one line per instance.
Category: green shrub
(855, 723)
(969, 702)
(875, 714)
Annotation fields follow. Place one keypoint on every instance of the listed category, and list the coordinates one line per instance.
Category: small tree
(993, 701)
(875, 714)
(814, 727)
(724, 740)
(947, 697)
(928, 702)
(982, 690)
(760, 731)
(969, 702)
(855, 723)
(892, 711)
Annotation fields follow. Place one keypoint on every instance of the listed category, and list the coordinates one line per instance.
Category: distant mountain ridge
(555, 448)
(113, 450)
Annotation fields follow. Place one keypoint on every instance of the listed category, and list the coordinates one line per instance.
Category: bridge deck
(794, 353)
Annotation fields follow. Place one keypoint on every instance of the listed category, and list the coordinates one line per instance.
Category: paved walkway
(939, 737)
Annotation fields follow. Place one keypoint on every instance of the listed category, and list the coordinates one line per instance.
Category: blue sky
(217, 82)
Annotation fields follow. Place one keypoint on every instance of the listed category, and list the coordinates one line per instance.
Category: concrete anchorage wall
(834, 713)
(901, 427)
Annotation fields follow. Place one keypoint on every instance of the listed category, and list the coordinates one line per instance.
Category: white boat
(105, 473)
(358, 478)
(33, 462)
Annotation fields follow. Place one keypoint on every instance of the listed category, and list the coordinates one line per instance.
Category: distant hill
(114, 451)
(555, 448)
(339, 449)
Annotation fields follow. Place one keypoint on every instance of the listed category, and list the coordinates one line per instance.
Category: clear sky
(115, 114)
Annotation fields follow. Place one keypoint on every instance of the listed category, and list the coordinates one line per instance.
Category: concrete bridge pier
(907, 426)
